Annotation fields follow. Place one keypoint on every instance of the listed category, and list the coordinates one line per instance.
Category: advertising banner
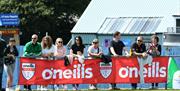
(120, 70)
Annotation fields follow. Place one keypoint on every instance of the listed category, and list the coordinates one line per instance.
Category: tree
(57, 17)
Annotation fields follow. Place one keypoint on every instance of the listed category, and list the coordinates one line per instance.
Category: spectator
(116, 49)
(139, 49)
(32, 49)
(47, 47)
(77, 49)
(94, 51)
(10, 54)
(47, 52)
(60, 53)
(154, 50)
(2, 48)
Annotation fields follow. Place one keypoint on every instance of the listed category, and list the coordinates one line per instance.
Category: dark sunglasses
(33, 38)
(140, 40)
(95, 42)
(60, 42)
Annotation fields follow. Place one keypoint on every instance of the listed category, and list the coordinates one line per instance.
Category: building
(132, 18)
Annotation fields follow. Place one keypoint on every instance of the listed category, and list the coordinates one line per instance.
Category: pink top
(60, 52)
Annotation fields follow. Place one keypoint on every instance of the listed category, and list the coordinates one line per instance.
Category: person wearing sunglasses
(32, 49)
(139, 49)
(10, 54)
(59, 53)
(77, 49)
(94, 51)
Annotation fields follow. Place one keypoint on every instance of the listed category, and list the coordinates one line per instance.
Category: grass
(121, 90)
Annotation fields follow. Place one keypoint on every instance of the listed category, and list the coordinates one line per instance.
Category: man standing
(139, 49)
(2, 48)
(116, 49)
(32, 49)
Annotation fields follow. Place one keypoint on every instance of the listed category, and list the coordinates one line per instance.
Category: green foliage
(57, 17)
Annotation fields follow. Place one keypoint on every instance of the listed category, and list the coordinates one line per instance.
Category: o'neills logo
(28, 70)
(105, 69)
(154, 70)
(78, 71)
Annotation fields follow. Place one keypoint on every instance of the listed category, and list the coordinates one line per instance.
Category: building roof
(130, 25)
(98, 12)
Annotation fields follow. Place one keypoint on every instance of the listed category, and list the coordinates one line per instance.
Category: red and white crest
(105, 69)
(28, 70)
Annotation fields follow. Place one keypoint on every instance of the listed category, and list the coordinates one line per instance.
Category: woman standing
(10, 56)
(47, 51)
(77, 49)
(154, 50)
(47, 47)
(59, 53)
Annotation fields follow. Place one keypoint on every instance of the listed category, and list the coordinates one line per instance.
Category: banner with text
(120, 70)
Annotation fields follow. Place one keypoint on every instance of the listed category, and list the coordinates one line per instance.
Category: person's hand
(144, 54)
(115, 55)
(100, 53)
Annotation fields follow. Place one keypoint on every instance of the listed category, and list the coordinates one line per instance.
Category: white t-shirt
(50, 50)
(91, 49)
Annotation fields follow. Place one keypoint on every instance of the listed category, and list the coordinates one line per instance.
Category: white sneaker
(44, 88)
(17, 88)
(56, 87)
(64, 87)
(9, 89)
(38, 87)
(75, 88)
(92, 87)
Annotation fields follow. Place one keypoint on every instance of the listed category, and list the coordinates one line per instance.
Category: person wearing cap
(10, 54)
(94, 51)
(2, 48)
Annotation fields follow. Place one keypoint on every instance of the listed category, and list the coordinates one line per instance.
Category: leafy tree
(57, 17)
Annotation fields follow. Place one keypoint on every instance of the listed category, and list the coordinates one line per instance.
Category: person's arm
(6, 51)
(113, 52)
(158, 51)
(16, 51)
(27, 50)
(38, 51)
(64, 52)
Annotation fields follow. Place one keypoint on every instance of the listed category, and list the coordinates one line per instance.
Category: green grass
(122, 90)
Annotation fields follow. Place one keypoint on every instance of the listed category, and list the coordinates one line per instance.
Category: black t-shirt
(138, 49)
(118, 47)
(76, 48)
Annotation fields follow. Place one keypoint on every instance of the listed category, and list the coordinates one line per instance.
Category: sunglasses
(60, 42)
(33, 38)
(95, 42)
(139, 40)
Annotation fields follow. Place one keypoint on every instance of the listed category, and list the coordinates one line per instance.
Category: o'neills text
(153, 70)
(78, 71)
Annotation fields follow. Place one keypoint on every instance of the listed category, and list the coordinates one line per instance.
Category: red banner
(121, 70)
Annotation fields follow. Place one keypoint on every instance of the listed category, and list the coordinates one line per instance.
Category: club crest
(105, 69)
(28, 70)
